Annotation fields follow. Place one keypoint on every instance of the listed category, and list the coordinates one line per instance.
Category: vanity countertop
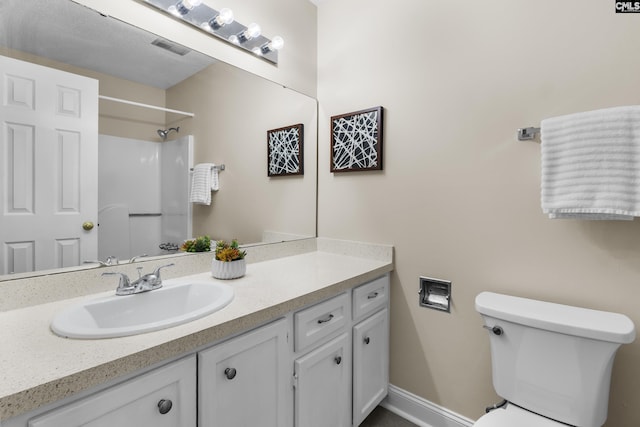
(38, 367)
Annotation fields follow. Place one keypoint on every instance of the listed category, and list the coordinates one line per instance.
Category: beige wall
(459, 196)
(234, 110)
(297, 61)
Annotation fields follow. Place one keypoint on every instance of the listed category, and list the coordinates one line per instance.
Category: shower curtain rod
(139, 104)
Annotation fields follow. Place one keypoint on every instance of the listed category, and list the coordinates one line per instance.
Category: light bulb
(252, 31)
(225, 17)
(184, 6)
(277, 43)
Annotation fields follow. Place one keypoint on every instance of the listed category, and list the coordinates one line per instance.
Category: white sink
(119, 316)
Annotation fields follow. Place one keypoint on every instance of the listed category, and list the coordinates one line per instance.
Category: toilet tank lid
(582, 322)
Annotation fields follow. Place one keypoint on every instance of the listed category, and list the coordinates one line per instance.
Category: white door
(48, 167)
(370, 364)
(246, 381)
(323, 392)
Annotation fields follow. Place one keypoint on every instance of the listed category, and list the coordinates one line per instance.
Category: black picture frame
(285, 151)
(356, 141)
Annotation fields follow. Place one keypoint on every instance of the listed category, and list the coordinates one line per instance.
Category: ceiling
(59, 29)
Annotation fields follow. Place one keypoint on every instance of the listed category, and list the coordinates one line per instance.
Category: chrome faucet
(143, 283)
(111, 260)
(134, 259)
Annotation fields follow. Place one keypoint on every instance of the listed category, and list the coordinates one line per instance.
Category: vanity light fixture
(223, 25)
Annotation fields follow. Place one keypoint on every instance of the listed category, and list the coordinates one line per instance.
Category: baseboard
(420, 411)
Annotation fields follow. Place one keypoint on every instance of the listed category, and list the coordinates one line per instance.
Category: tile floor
(381, 417)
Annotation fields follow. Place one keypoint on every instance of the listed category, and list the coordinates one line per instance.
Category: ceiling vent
(171, 47)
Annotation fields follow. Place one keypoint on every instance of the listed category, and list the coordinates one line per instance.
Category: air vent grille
(171, 47)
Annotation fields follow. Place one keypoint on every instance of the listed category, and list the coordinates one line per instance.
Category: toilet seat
(512, 416)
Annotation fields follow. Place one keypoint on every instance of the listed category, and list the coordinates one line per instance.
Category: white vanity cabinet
(323, 365)
(370, 347)
(341, 367)
(164, 397)
(245, 381)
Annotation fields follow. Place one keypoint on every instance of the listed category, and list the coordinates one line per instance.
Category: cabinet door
(244, 382)
(164, 397)
(323, 385)
(370, 364)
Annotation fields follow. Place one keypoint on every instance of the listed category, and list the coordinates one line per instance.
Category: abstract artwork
(356, 141)
(284, 151)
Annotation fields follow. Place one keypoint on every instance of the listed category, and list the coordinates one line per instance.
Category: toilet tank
(553, 359)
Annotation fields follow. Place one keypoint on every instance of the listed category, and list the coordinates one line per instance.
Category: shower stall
(143, 195)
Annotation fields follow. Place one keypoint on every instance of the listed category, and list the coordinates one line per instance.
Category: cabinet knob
(230, 373)
(165, 406)
(326, 319)
(367, 340)
(372, 295)
(338, 360)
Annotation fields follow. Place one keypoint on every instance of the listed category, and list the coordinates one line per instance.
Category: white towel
(591, 164)
(203, 181)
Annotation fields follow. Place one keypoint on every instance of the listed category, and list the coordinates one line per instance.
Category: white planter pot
(228, 270)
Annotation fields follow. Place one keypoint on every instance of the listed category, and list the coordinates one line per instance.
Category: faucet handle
(157, 271)
(124, 279)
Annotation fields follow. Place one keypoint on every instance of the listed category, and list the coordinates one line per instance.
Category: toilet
(550, 362)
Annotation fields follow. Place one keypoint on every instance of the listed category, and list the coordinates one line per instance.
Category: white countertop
(37, 367)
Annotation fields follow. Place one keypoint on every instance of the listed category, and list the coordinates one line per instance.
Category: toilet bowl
(551, 362)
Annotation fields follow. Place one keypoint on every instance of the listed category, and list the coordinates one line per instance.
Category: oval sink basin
(119, 316)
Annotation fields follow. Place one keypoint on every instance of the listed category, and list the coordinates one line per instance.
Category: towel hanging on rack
(591, 164)
(203, 181)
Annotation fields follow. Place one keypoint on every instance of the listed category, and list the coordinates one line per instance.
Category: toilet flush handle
(497, 330)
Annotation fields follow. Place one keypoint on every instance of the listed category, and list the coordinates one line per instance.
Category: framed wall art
(356, 141)
(285, 151)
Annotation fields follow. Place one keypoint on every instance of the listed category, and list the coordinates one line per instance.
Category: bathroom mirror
(232, 110)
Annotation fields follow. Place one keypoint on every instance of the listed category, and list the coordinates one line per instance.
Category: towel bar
(219, 167)
(527, 134)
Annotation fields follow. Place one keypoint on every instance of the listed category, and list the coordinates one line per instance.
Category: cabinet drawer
(136, 402)
(321, 320)
(370, 297)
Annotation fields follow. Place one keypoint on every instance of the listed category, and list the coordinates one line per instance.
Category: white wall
(459, 196)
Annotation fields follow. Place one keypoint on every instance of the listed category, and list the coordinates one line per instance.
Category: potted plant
(228, 262)
(199, 244)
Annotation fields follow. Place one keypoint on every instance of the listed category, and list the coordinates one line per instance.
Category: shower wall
(142, 195)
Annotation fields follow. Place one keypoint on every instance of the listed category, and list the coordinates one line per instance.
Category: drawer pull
(230, 373)
(164, 406)
(326, 319)
(338, 360)
(372, 295)
(367, 340)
